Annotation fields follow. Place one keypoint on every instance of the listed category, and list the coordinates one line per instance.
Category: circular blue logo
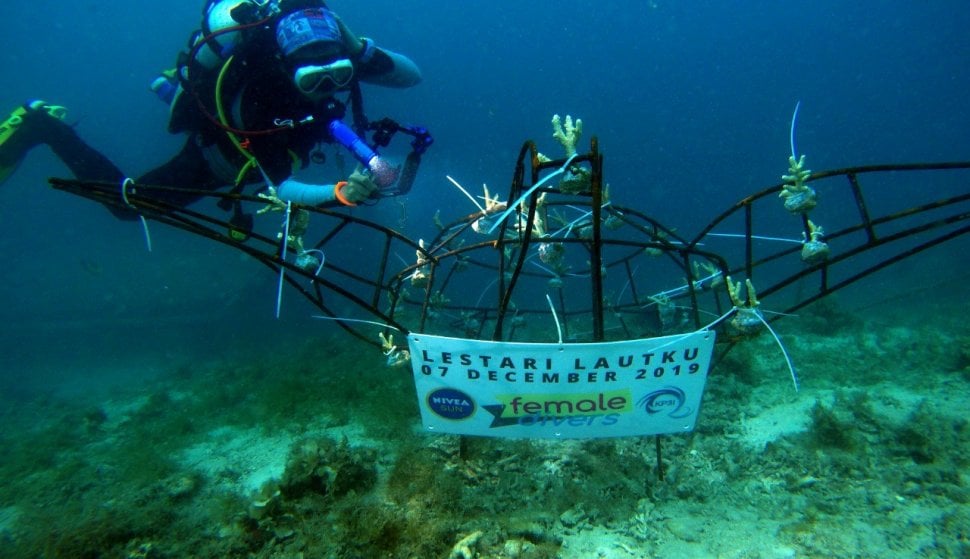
(669, 400)
(450, 403)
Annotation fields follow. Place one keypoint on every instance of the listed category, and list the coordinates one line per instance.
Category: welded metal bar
(860, 203)
(596, 256)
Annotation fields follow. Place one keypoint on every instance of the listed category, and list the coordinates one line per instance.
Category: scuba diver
(260, 86)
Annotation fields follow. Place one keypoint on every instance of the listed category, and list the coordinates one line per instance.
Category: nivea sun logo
(451, 404)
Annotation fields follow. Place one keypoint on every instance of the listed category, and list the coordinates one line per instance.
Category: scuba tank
(222, 32)
(221, 35)
(224, 21)
(217, 36)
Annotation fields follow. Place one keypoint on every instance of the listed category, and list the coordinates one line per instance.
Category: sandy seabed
(280, 457)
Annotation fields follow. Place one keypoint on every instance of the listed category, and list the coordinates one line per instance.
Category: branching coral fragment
(299, 222)
(704, 271)
(492, 204)
(273, 202)
(395, 355)
(814, 249)
(577, 179)
(799, 197)
(747, 319)
(420, 275)
(737, 296)
(796, 177)
(567, 135)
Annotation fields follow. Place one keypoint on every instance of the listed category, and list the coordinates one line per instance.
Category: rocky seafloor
(318, 453)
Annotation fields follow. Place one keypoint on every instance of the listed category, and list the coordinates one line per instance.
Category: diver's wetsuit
(258, 93)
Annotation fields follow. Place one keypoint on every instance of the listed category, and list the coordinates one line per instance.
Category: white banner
(533, 390)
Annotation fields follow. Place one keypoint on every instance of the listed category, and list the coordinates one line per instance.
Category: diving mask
(324, 79)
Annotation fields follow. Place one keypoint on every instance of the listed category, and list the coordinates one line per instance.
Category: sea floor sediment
(319, 453)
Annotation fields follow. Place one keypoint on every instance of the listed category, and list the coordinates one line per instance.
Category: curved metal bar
(617, 246)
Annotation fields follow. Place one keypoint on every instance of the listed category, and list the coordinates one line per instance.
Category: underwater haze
(155, 407)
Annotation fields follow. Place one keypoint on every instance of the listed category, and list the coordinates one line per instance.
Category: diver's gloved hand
(355, 45)
(359, 187)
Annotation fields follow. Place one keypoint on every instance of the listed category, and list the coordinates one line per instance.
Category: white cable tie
(555, 317)
(125, 184)
(286, 242)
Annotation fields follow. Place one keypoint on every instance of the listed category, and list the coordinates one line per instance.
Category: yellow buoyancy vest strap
(221, 111)
(251, 162)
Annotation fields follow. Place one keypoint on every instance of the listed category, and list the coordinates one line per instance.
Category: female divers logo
(669, 399)
(451, 404)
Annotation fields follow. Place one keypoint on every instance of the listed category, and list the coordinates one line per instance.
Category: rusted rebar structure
(605, 271)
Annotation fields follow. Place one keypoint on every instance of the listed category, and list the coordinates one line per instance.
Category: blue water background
(691, 101)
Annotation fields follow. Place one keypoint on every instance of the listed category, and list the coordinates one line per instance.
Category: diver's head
(314, 51)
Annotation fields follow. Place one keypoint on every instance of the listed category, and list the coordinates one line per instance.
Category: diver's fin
(23, 130)
(240, 225)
